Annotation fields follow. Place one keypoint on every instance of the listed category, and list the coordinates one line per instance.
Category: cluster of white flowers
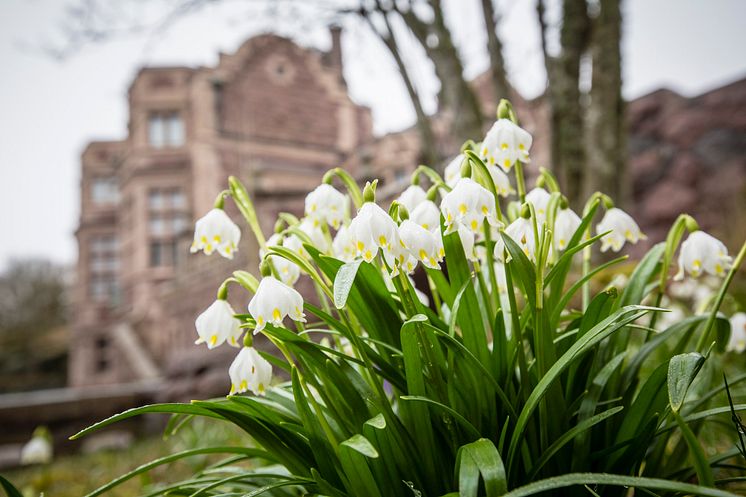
(413, 233)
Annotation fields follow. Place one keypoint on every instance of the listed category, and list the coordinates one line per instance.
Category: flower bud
(369, 192)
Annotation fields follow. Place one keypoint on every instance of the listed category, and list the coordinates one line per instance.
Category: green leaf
(643, 273)
(152, 408)
(570, 434)
(602, 330)
(343, 282)
(701, 466)
(481, 458)
(361, 445)
(682, 369)
(573, 479)
(181, 455)
(10, 490)
(473, 432)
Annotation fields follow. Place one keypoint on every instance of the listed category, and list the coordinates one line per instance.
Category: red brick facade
(274, 114)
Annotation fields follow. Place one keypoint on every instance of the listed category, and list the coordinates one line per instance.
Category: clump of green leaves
(528, 384)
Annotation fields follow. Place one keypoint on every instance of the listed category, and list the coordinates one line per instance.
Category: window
(165, 129)
(102, 354)
(103, 265)
(168, 218)
(104, 190)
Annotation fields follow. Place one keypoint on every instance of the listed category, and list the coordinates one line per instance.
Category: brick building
(274, 114)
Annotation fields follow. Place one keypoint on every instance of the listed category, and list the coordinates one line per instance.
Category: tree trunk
(456, 95)
(429, 153)
(605, 119)
(500, 86)
(569, 161)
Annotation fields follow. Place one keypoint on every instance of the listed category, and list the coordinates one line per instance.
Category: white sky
(49, 110)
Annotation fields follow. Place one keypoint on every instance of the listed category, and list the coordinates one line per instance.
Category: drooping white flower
(218, 324)
(38, 450)
(468, 204)
(289, 272)
(342, 247)
(215, 231)
(413, 196)
(273, 301)
(250, 371)
(623, 229)
(565, 226)
(327, 205)
(521, 231)
(505, 143)
(423, 244)
(467, 238)
(312, 228)
(427, 215)
(501, 180)
(539, 198)
(452, 172)
(737, 342)
(700, 253)
(373, 230)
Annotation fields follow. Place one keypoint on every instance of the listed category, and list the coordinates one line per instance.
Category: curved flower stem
(520, 181)
(246, 206)
(704, 337)
(431, 174)
(223, 289)
(352, 187)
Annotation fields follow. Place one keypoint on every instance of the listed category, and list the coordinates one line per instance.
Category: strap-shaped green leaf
(481, 459)
(574, 479)
(343, 282)
(682, 369)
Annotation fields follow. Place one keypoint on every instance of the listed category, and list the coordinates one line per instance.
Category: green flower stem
(317, 409)
(586, 266)
(484, 173)
(491, 264)
(223, 289)
(352, 187)
(431, 174)
(486, 297)
(246, 206)
(704, 338)
(519, 181)
(220, 199)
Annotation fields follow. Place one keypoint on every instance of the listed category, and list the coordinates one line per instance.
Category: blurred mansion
(278, 116)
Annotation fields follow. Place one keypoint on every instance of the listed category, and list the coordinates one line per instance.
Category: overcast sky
(49, 109)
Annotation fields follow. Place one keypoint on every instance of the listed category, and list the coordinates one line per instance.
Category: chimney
(335, 54)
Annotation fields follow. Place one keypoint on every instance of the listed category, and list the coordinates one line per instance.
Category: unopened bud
(369, 192)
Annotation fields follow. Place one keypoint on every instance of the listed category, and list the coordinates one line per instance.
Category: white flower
(623, 228)
(273, 301)
(427, 215)
(701, 252)
(501, 181)
(289, 272)
(737, 342)
(565, 226)
(327, 205)
(38, 450)
(342, 247)
(468, 204)
(250, 371)
(423, 244)
(216, 231)
(520, 231)
(218, 324)
(413, 196)
(312, 228)
(452, 172)
(539, 198)
(467, 243)
(371, 230)
(505, 143)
